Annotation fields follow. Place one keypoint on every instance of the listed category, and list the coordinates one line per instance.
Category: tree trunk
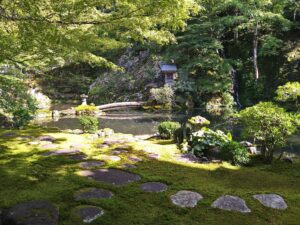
(255, 46)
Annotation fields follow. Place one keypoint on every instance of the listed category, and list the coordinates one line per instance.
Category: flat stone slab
(119, 152)
(129, 166)
(187, 158)
(113, 158)
(135, 159)
(113, 142)
(46, 138)
(88, 213)
(48, 146)
(122, 147)
(9, 135)
(102, 146)
(91, 164)
(231, 203)
(78, 157)
(154, 187)
(62, 152)
(153, 156)
(272, 201)
(32, 213)
(111, 176)
(92, 193)
(186, 199)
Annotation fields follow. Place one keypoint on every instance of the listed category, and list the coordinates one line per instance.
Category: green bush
(234, 152)
(15, 101)
(269, 125)
(289, 95)
(86, 110)
(163, 96)
(89, 124)
(206, 139)
(167, 129)
(198, 122)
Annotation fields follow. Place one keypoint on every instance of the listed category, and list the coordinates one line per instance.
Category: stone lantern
(84, 99)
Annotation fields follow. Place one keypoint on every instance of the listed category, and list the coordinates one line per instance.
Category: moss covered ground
(25, 174)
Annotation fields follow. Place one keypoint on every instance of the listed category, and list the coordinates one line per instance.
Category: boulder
(273, 201)
(186, 199)
(32, 213)
(231, 203)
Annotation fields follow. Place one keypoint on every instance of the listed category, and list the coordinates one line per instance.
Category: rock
(46, 138)
(246, 143)
(9, 135)
(253, 150)
(77, 131)
(111, 176)
(118, 152)
(186, 199)
(154, 156)
(79, 146)
(231, 203)
(122, 147)
(102, 146)
(55, 114)
(288, 159)
(43, 101)
(34, 143)
(91, 164)
(48, 146)
(154, 187)
(78, 157)
(135, 159)
(112, 142)
(129, 166)
(112, 158)
(272, 201)
(32, 213)
(62, 152)
(68, 112)
(92, 193)
(88, 213)
(188, 158)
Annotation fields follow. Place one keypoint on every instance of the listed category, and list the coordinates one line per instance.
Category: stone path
(111, 176)
(32, 213)
(272, 201)
(91, 164)
(186, 199)
(88, 213)
(154, 187)
(92, 193)
(231, 203)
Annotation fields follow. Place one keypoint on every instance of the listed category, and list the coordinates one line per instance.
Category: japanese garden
(142, 112)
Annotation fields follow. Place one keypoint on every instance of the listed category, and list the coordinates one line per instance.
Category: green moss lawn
(25, 175)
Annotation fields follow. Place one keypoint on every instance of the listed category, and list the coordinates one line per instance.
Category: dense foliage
(269, 125)
(163, 96)
(167, 129)
(15, 101)
(289, 95)
(86, 109)
(89, 124)
(235, 152)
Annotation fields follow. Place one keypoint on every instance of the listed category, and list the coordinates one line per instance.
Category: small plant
(86, 110)
(89, 124)
(269, 125)
(167, 129)
(206, 139)
(234, 152)
(289, 94)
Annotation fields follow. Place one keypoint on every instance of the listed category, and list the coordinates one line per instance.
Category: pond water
(140, 122)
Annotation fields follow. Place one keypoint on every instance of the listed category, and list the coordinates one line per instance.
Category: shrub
(89, 124)
(86, 110)
(198, 122)
(15, 101)
(235, 152)
(167, 129)
(289, 94)
(269, 125)
(206, 139)
(163, 96)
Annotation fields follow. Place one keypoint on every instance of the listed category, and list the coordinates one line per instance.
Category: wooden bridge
(121, 105)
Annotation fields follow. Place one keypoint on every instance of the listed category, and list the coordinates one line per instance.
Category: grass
(27, 175)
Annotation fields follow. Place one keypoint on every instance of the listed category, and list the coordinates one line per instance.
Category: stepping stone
(24, 137)
(186, 199)
(78, 157)
(102, 146)
(46, 138)
(272, 201)
(34, 143)
(188, 158)
(91, 164)
(48, 146)
(122, 147)
(88, 213)
(154, 156)
(129, 166)
(32, 213)
(231, 203)
(61, 152)
(92, 193)
(118, 152)
(111, 176)
(9, 134)
(113, 142)
(154, 187)
(112, 158)
(135, 159)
